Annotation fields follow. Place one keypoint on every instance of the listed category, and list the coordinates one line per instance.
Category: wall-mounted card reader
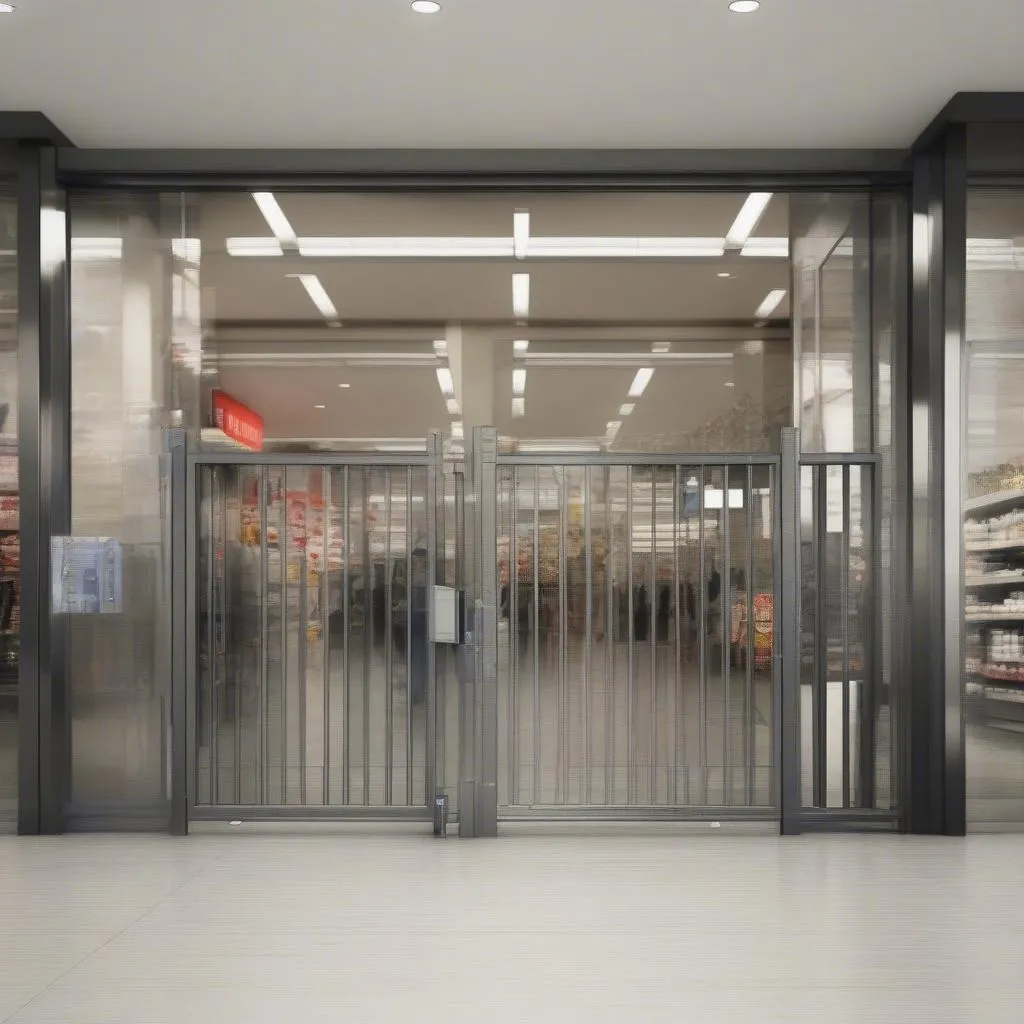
(449, 616)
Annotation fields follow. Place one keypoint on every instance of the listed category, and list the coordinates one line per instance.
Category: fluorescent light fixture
(453, 406)
(254, 247)
(519, 382)
(521, 347)
(521, 295)
(744, 6)
(640, 382)
(319, 406)
(771, 303)
(626, 409)
(96, 249)
(426, 6)
(7, 8)
(318, 294)
(766, 248)
(724, 273)
(521, 233)
(730, 384)
(661, 347)
(275, 218)
(407, 248)
(458, 430)
(345, 387)
(441, 347)
(747, 219)
(627, 360)
(446, 382)
(557, 447)
(614, 426)
(518, 408)
(188, 250)
(626, 248)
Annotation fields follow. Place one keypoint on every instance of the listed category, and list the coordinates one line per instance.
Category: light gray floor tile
(532, 927)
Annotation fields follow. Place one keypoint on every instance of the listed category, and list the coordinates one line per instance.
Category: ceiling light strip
(747, 219)
(771, 303)
(275, 218)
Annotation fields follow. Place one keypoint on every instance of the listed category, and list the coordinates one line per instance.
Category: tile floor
(376, 925)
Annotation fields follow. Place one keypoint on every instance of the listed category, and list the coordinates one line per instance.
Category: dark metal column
(44, 399)
(935, 786)
(180, 509)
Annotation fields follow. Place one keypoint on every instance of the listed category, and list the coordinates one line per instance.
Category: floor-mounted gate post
(789, 724)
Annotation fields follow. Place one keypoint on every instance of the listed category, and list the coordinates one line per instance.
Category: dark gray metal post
(788, 743)
(936, 782)
(44, 399)
(177, 469)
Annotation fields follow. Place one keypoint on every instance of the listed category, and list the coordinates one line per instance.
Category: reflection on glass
(994, 512)
(10, 519)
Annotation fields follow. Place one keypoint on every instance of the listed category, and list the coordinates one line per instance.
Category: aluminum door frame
(485, 511)
(184, 529)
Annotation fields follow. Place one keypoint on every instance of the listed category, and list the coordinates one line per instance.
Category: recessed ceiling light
(519, 382)
(7, 8)
(626, 409)
(426, 6)
(747, 219)
(743, 6)
(521, 296)
(521, 346)
(729, 384)
(521, 233)
(518, 408)
(316, 291)
(725, 273)
(344, 387)
(640, 382)
(319, 406)
(771, 303)
(275, 218)
(453, 407)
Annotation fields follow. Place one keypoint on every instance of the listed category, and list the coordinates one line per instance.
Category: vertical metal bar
(179, 515)
(819, 698)
(631, 631)
(409, 541)
(652, 631)
(433, 702)
(239, 643)
(536, 636)
(389, 699)
(211, 627)
(868, 704)
(588, 796)
(513, 635)
(346, 583)
(282, 543)
(678, 699)
(303, 650)
(845, 605)
(725, 597)
(786, 670)
(327, 488)
(702, 644)
(369, 585)
(264, 522)
(609, 644)
(562, 769)
(748, 697)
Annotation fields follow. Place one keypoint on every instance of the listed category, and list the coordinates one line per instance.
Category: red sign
(238, 421)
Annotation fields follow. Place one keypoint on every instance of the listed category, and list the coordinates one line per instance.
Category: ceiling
(503, 73)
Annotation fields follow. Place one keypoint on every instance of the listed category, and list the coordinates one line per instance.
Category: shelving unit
(10, 571)
(995, 662)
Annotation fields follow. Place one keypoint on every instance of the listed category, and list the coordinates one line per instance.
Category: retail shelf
(1017, 544)
(994, 580)
(996, 617)
(987, 673)
(993, 504)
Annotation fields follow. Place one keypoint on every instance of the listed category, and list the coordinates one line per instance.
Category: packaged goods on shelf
(8, 512)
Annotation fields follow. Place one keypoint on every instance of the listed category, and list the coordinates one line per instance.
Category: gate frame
(182, 473)
(484, 441)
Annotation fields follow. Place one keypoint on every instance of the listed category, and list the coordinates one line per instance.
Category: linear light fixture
(626, 248)
(557, 447)
(521, 234)
(626, 409)
(627, 360)
(446, 381)
(275, 218)
(407, 248)
(747, 219)
(318, 293)
(521, 347)
(254, 247)
(640, 382)
(441, 348)
(90, 249)
(453, 406)
(519, 382)
(521, 296)
(771, 303)
(518, 408)
(458, 431)
(612, 430)
(766, 248)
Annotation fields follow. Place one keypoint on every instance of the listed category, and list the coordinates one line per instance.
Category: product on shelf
(1003, 529)
(1013, 604)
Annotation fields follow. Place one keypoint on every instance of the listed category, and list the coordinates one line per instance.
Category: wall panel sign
(238, 421)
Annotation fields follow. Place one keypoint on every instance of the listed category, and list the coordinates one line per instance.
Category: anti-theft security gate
(637, 634)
